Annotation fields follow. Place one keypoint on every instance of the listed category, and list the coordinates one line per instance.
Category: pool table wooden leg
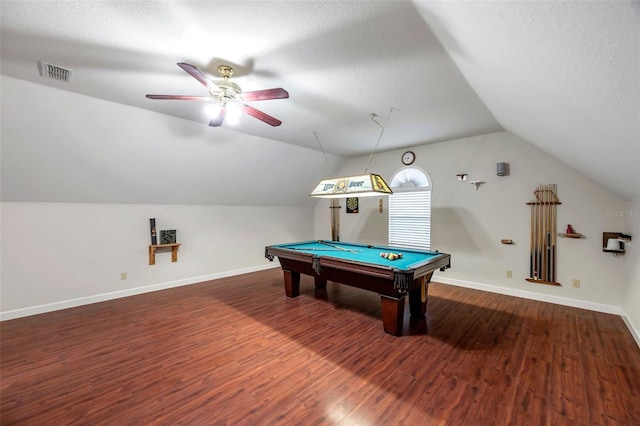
(320, 282)
(418, 297)
(291, 283)
(392, 313)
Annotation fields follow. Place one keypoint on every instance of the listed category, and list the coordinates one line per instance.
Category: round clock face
(408, 158)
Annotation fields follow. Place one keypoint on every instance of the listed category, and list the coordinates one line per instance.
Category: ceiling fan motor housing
(228, 90)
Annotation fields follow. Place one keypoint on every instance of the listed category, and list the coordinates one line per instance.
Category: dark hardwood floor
(236, 351)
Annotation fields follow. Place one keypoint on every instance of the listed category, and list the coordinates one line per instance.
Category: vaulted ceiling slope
(562, 75)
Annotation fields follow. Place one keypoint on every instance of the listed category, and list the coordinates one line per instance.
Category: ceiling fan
(228, 96)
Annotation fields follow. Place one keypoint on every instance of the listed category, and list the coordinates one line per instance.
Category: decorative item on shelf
(461, 177)
(613, 245)
(614, 242)
(542, 262)
(571, 233)
(168, 236)
(352, 205)
(152, 224)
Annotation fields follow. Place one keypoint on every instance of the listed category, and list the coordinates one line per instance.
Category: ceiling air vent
(55, 72)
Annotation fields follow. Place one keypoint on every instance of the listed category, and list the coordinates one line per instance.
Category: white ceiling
(563, 75)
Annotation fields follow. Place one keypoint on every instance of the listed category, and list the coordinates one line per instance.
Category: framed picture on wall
(168, 236)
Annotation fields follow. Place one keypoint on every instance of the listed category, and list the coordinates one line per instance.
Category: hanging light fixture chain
(373, 115)
(324, 154)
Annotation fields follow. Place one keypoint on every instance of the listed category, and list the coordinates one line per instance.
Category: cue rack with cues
(542, 261)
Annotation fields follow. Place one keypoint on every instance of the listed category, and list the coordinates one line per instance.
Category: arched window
(410, 209)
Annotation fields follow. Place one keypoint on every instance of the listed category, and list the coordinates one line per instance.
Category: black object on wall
(503, 169)
(152, 225)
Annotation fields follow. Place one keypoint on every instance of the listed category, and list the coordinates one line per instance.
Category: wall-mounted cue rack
(542, 262)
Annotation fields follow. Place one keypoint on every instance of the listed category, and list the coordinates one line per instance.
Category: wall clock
(408, 158)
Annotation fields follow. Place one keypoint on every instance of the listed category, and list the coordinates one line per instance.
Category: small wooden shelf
(152, 251)
(532, 280)
(572, 235)
(622, 240)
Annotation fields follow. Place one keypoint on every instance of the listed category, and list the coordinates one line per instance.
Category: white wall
(57, 255)
(631, 298)
(469, 224)
(60, 146)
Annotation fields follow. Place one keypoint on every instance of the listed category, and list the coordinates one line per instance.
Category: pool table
(362, 266)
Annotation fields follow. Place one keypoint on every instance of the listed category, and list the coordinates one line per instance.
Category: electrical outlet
(576, 282)
(123, 275)
(509, 274)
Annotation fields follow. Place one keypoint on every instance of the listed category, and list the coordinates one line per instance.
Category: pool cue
(545, 236)
(550, 203)
(554, 235)
(338, 247)
(534, 252)
(312, 249)
(531, 244)
(538, 246)
(548, 256)
(553, 230)
(540, 236)
(536, 211)
(549, 235)
(548, 232)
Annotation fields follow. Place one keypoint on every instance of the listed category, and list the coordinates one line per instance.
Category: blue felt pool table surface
(362, 253)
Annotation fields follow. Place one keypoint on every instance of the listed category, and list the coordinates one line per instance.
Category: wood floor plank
(237, 351)
(567, 393)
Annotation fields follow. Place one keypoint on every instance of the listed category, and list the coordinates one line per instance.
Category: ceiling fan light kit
(227, 97)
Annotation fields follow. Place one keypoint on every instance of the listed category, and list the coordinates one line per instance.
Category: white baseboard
(592, 306)
(72, 303)
(575, 303)
(634, 332)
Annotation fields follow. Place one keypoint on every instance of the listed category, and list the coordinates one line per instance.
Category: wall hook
(477, 183)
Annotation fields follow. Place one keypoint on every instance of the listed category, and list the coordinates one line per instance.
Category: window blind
(410, 219)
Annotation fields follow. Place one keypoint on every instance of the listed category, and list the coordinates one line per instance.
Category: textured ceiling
(562, 75)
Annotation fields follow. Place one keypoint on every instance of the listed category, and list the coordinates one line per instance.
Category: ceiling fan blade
(180, 97)
(265, 95)
(218, 119)
(261, 116)
(195, 73)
